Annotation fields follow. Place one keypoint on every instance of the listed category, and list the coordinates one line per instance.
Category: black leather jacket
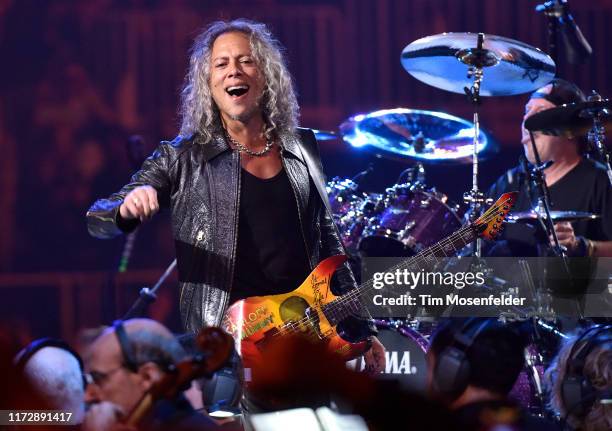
(200, 183)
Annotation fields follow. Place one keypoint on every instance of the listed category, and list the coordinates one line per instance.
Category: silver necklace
(244, 149)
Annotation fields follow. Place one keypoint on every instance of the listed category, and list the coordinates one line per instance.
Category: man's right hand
(140, 203)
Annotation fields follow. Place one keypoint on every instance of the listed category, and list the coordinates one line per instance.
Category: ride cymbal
(510, 67)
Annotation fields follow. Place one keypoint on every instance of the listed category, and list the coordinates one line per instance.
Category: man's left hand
(375, 358)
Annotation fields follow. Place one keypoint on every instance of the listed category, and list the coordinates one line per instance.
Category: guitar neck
(487, 225)
(350, 303)
(429, 257)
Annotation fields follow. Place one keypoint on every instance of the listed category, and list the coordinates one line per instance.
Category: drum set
(409, 216)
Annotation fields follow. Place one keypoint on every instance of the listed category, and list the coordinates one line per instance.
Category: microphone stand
(553, 10)
(577, 48)
(147, 296)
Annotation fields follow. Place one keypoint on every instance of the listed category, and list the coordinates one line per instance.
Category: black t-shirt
(271, 254)
(584, 188)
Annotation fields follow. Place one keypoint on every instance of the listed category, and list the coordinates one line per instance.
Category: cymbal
(412, 133)
(324, 135)
(572, 119)
(556, 216)
(510, 67)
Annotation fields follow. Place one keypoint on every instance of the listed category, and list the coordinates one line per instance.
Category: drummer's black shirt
(585, 188)
(271, 253)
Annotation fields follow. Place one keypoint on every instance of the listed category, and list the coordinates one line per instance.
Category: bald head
(56, 375)
(149, 341)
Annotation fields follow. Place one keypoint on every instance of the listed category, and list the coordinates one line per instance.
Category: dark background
(79, 77)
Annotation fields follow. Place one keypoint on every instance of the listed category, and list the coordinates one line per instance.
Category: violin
(215, 346)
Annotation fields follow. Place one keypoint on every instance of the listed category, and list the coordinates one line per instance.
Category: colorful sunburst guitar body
(313, 310)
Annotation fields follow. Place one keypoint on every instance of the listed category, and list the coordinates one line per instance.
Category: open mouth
(236, 91)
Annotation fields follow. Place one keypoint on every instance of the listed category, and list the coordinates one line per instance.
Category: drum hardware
(414, 175)
(425, 202)
(597, 135)
(511, 67)
(557, 216)
(543, 211)
(527, 389)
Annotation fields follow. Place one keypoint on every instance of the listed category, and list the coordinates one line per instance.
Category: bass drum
(412, 219)
(405, 350)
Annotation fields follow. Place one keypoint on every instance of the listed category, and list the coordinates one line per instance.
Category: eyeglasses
(99, 377)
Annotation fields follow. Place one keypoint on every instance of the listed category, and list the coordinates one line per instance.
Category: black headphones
(126, 347)
(31, 349)
(577, 392)
(452, 369)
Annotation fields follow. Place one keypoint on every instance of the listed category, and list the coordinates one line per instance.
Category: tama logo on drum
(399, 363)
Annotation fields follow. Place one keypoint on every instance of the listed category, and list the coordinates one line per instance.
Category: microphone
(577, 48)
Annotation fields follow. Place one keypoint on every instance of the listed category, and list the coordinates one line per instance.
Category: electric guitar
(313, 310)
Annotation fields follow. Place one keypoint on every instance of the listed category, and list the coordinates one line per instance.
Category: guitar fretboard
(348, 304)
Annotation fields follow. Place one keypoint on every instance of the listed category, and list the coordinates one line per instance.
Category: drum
(412, 219)
(351, 210)
(343, 195)
(352, 224)
(405, 350)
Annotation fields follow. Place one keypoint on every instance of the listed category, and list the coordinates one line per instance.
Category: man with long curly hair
(580, 380)
(243, 183)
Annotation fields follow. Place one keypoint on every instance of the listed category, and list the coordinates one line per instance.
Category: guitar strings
(489, 215)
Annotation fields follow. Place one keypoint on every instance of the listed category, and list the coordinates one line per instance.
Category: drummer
(575, 183)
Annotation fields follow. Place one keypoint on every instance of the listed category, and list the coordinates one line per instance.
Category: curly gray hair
(198, 112)
(598, 369)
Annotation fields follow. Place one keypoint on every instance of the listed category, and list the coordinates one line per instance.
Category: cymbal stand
(537, 176)
(476, 58)
(597, 134)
